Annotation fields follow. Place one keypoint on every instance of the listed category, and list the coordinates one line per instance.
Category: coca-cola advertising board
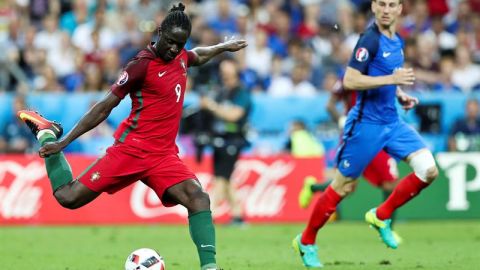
(267, 187)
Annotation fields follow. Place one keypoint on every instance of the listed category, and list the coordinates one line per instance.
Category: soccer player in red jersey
(145, 146)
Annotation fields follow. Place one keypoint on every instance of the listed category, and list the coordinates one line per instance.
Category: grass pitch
(343, 245)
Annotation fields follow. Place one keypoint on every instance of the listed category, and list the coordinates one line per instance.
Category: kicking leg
(74, 195)
(70, 194)
(190, 194)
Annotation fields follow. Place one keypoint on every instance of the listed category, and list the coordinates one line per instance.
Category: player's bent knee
(423, 164)
(343, 185)
(199, 201)
(432, 174)
(66, 199)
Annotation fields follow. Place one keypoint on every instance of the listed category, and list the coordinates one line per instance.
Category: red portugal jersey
(157, 91)
(348, 97)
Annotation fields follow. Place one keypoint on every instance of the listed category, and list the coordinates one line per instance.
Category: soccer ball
(144, 259)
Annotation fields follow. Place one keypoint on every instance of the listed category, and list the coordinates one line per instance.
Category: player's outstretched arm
(204, 54)
(355, 80)
(97, 114)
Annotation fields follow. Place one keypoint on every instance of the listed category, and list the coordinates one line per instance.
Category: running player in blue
(376, 72)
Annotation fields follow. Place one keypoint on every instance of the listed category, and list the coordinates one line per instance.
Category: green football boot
(306, 194)
(383, 227)
(308, 253)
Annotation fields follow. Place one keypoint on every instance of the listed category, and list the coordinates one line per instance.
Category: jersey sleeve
(364, 52)
(191, 58)
(131, 78)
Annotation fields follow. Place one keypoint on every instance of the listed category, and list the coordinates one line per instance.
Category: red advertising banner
(267, 187)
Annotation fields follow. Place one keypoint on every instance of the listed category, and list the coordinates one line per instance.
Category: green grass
(343, 245)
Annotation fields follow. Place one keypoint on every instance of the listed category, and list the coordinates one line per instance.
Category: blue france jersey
(377, 55)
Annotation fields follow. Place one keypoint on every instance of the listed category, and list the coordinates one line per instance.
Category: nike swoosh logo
(386, 54)
(30, 118)
(160, 74)
(204, 246)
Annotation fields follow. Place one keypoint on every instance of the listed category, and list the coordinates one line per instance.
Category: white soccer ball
(144, 259)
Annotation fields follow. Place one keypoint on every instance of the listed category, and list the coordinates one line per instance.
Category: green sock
(203, 235)
(320, 187)
(58, 169)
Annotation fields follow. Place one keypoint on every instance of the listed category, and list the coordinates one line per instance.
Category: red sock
(407, 189)
(325, 206)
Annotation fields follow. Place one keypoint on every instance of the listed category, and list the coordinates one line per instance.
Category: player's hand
(51, 148)
(232, 44)
(407, 101)
(404, 76)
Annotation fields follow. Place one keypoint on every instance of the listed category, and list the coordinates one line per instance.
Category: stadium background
(61, 56)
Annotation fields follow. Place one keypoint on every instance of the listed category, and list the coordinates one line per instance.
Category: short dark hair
(177, 18)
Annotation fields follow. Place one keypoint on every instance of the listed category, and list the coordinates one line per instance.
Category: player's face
(171, 42)
(386, 11)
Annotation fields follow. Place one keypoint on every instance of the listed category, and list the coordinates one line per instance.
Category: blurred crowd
(296, 47)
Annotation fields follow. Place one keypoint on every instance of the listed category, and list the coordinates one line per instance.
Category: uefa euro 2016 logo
(361, 54)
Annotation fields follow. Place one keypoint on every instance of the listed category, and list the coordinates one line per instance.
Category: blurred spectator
(309, 27)
(47, 80)
(476, 39)
(93, 79)
(359, 25)
(147, 8)
(444, 79)
(438, 8)
(258, 55)
(466, 75)
(425, 63)
(418, 21)
(302, 143)
(465, 134)
(110, 67)
(307, 55)
(278, 41)
(75, 17)
(83, 37)
(38, 9)
(438, 35)
(462, 17)
(50, 38)
(16, 137)
(296, 85)
(11, 75)
(224, 23)
(62, 59)
(230, 110)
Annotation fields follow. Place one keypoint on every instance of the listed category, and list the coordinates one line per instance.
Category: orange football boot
(36, 122)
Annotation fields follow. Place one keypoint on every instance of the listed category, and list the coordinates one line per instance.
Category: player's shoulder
(371, 34)
(142, 58)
